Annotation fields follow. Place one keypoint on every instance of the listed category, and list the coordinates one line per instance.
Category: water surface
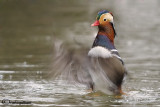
(29, 29)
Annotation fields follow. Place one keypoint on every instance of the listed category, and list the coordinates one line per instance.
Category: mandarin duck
(102, 69)
(108, 68)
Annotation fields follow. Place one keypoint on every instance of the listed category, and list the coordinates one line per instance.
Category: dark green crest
(100, 13)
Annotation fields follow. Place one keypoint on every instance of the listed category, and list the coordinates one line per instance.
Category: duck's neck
(107, 30)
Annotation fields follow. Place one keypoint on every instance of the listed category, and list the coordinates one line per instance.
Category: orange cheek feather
(109, 31)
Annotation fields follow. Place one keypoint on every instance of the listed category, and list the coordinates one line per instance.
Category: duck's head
(103, 18)
(104, 21)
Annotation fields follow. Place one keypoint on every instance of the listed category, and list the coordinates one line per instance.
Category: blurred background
(29, 30)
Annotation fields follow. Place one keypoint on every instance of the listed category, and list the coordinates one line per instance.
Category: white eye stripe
(109, 17)
(106, 17)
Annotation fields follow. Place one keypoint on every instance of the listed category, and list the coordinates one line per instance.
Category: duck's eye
(104, 19)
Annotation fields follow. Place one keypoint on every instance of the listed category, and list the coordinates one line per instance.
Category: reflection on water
(29, 29)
